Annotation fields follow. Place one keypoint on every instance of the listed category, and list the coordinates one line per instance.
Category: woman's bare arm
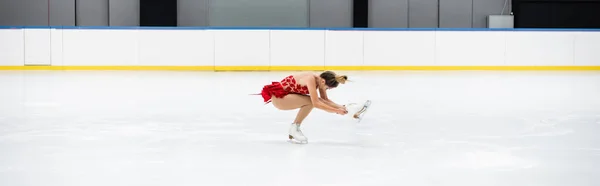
(317, 103)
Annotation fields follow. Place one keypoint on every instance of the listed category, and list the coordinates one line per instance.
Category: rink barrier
(292, 49)
(308, 68)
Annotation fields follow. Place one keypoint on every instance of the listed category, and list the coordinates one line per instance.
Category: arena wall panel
(297, 49)
(37, 46)
(176, 48)
(241, 49)
(56, 49)
(539, 48)
(343, 48)
(12, 47)
(142, 48)
(586, 49)
(455, 48)
(100, 47)
(399, 48)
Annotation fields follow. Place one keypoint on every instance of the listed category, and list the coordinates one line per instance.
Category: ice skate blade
(293, 140)
(297, 142)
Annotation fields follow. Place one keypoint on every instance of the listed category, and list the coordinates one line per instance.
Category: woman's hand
(341, 111)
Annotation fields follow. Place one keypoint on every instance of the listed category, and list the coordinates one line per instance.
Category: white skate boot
(296, 134)
(357, 111)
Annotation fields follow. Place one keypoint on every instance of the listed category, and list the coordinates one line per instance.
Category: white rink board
(455, 48)
(344, 48)
(586, 48)
(297, 47)
(176, 48)
(286, 47)
(399, 48)
(539, 48)
(100, 47)
(241, 48)
(12, 47)
(57, 47)
(38, 46)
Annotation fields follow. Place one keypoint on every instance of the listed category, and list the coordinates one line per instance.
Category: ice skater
(300, 91)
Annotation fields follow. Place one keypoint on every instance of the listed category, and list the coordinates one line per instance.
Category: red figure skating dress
(284, 87)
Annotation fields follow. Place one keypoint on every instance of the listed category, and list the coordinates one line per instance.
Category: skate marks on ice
(549, 143)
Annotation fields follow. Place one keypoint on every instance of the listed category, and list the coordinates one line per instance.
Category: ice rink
(436, 128)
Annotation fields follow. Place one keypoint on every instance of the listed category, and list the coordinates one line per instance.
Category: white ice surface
(121, 128)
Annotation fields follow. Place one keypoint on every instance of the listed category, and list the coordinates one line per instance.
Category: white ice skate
(357, 111)
(295, 134)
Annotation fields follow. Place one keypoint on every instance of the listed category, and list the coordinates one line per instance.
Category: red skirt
(274, 89)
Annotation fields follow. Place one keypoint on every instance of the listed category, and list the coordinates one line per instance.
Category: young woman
(300, 91)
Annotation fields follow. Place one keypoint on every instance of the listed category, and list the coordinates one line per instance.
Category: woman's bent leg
(294, 101)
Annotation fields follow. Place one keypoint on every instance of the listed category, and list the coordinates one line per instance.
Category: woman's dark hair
(332, 80)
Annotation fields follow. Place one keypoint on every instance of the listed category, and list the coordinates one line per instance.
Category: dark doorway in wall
(360, 13)
(556, 13)
(158, 13)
